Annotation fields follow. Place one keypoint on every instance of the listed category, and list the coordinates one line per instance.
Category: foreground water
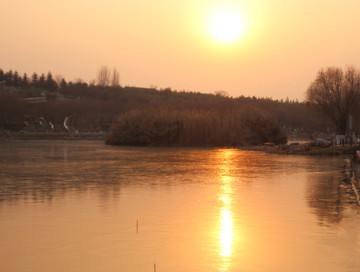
(83, 206)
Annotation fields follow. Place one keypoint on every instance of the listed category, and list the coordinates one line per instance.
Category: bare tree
(108, 77)
(103, 76)
(222, 93)
(115, 78)
(336, 93)
(59, 79)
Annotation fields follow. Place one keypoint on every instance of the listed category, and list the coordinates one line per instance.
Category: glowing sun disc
(226, 25)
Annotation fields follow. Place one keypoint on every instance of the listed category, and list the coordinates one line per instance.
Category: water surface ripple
(84, 206)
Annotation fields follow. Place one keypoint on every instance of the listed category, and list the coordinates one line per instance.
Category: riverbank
(52, 136)
(301, 148)
(306, 149)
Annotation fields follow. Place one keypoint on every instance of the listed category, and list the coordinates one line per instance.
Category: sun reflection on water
(226, 233)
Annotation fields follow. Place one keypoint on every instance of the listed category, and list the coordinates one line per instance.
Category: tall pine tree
(50, 83)
(35, 80)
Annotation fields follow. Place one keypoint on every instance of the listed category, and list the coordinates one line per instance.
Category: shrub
(158, 127)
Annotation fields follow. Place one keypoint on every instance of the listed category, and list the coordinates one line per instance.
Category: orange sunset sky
(273, 49)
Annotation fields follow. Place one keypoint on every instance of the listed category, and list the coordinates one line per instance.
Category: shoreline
(306, 149)
(302, 148)
(52, 136)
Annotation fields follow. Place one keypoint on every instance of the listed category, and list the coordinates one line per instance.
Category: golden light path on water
(226, 229)
(226, 233)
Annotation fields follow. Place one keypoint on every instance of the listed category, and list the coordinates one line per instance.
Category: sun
(226, 25)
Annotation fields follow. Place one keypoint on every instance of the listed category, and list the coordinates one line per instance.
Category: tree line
(99, 104)
(14, 79)
(105, 77)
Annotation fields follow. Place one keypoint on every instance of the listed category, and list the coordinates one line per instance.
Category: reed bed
(169, 127)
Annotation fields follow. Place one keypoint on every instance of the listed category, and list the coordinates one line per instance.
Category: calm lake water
(83, 206)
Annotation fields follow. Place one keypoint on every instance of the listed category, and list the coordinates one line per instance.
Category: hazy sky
(167, 43)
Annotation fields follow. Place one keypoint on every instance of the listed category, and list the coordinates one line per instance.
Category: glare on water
(84, 206)
(226, 221)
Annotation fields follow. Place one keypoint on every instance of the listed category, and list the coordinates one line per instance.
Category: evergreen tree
(16, 79)
(25, 81)
(63, 84)
(35, 80)
(50, 83)
(42, 81)
(8, 78)
(2, 75)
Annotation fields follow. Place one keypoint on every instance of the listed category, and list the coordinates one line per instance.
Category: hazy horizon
(281, 46)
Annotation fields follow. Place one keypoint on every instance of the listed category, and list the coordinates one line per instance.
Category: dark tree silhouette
(25, 81)
(16, 80)
(42, 82)
(50, 83)
(336, 93)
(63, 84)
(35, 80)
(2, 75)
(9, 78)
